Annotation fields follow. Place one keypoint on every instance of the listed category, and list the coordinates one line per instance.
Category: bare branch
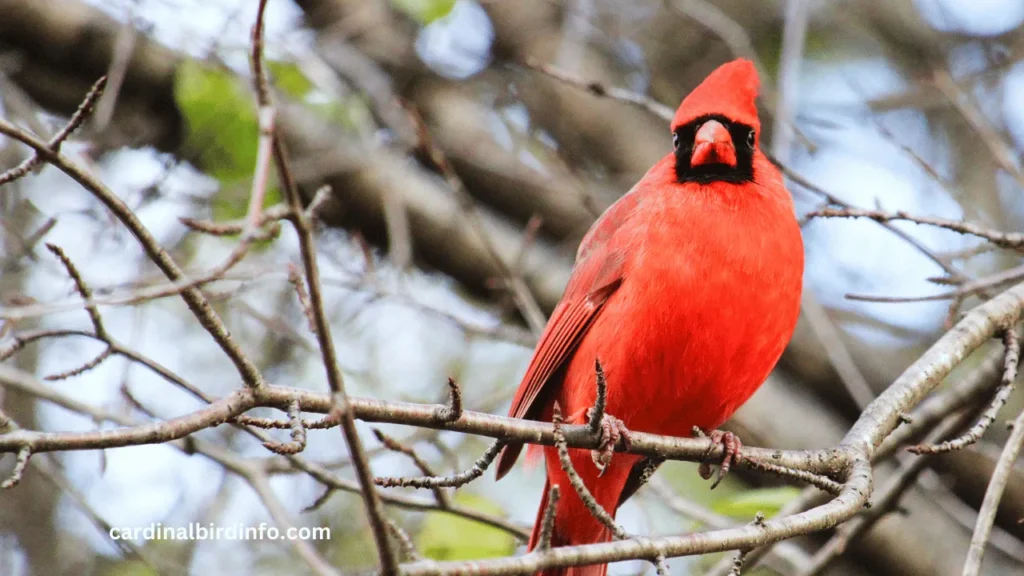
(16, 379)
(371, 410)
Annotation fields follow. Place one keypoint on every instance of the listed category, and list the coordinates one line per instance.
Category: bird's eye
(750, 139)
(675, 140)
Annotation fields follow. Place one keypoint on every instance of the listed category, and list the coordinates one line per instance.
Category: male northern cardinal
(686, 290)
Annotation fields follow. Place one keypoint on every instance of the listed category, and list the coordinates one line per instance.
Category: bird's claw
(610, 431)
(732, 445)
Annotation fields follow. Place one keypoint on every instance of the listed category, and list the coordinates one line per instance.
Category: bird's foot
(610, 431)
(732, 445)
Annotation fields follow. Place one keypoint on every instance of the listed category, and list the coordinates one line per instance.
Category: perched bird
(686, 290)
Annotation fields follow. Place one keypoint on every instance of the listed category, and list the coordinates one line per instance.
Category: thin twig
(1011, 360)
(89, 365)
(453, 411)
(838, 353)
(454, 481)
(993, 494)
(177, 287)
(524, 298)
(94, 317)
(52, 472)
(395, 446)
(660, 566)
(831, 199)
(547, 522)
(275, 424)
(320, 199)
(818, 481)
(80, 115)
(598, 89)
(298, 428)
(258, 480)
(586, 497)
(741, 556)
(1002, 152)
(339, 398)
(737, 563)
(83, 290)
(124, 47)
(1011, 240)
(300, 292)
(20, 464)
(404, 541)
(270, 215)
(966, 391)
(965, 289)
(597, 412)
(267, 120)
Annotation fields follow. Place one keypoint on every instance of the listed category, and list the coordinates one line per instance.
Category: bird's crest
(731, 91)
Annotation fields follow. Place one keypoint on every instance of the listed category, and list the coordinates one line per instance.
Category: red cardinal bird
(686, 290)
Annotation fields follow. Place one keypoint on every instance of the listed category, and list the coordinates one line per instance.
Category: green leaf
(448, 537)
(288, 78)
(749, 502)
(425, 11)
(221, 133)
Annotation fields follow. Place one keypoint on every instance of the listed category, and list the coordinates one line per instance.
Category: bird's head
(716, 130)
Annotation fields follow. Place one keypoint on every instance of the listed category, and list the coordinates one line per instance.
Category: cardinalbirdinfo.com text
(211, 531)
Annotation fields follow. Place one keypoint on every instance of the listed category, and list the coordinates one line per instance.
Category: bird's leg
(732, 445)
(610, 430)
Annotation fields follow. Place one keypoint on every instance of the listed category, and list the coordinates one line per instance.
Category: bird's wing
(598, 273)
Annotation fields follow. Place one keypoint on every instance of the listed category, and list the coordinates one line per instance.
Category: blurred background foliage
(909, 105)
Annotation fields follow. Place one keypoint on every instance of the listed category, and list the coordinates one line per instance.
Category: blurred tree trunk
(28, 510)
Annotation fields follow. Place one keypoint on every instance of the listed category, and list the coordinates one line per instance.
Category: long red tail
(574, 523)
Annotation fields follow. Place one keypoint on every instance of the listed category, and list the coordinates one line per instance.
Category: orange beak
(713, 145)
